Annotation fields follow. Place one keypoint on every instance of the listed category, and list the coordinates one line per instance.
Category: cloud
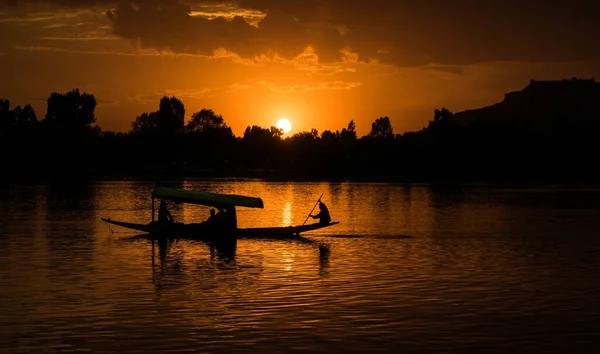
(128, 52)
(83, 36)
(307, 61)
(404, 33)
(65, 3)
(238, 87)
(77, 24)
(37, 18)
(182, 94)
(401, 33)
(321, 86)
(47, 48)
(45, 13)
(190, 93)
(56, 25)
(450, 69)
(106, 102)
(213, 11)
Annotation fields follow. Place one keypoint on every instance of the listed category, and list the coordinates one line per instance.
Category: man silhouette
(323, 215)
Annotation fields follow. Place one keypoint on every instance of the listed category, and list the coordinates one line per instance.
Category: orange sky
(320, 63)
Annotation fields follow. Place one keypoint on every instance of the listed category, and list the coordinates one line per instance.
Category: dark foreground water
(408, 269)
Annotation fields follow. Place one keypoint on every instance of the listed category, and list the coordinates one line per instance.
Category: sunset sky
(320, 63)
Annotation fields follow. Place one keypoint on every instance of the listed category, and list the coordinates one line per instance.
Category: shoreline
(272, 176)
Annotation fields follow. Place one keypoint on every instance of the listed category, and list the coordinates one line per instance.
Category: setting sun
(284, 124)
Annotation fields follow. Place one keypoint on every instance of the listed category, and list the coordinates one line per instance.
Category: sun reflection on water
(287, 259)
(287, 214)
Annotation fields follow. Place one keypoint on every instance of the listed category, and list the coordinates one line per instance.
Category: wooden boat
(281, 232)
(192, 229)
(210, 231)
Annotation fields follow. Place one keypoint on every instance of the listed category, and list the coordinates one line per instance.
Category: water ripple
(430, 272)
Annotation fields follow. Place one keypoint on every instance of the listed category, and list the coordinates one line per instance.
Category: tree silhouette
(328, 137)
(256, 134)
(259, 145)
(275, 132)
(351, 129)
(332, 150)
(71, 113)
(205, 120)
(306, 136)
(6, 119)
(170, 115)
(18, 122)
(168, 120)
(146, 123)
(26, 118)
(4, 106)
(441, 118)
(348, 134)
(209, 139)
(381, 128)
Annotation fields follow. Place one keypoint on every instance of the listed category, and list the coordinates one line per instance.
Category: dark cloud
(70, 3)
(411, 32)
(402, 32)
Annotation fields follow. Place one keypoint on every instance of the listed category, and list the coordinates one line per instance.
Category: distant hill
(541, 105)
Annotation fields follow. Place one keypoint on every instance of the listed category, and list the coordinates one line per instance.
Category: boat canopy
(206, 198)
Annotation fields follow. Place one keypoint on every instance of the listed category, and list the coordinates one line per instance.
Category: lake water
(409, 269)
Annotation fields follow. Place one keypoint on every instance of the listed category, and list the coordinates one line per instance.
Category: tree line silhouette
(66, 142)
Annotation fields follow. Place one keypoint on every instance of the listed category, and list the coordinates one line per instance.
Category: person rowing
(323, 215)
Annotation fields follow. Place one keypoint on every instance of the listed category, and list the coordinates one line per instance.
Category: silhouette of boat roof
(206, 198)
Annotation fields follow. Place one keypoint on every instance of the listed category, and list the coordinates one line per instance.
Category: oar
(318, 200)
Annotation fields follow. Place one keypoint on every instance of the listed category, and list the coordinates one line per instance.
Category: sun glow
(284, 124)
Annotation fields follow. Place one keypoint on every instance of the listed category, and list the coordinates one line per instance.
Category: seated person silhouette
(164, 216)
(211, 218)
(220, 216)
(218, 219)
(323, 214)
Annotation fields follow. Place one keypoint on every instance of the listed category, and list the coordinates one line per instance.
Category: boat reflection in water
(223, 256)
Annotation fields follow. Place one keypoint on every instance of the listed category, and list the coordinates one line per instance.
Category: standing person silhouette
(323, 215)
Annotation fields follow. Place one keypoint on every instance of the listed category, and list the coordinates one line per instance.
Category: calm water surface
(408, 269)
